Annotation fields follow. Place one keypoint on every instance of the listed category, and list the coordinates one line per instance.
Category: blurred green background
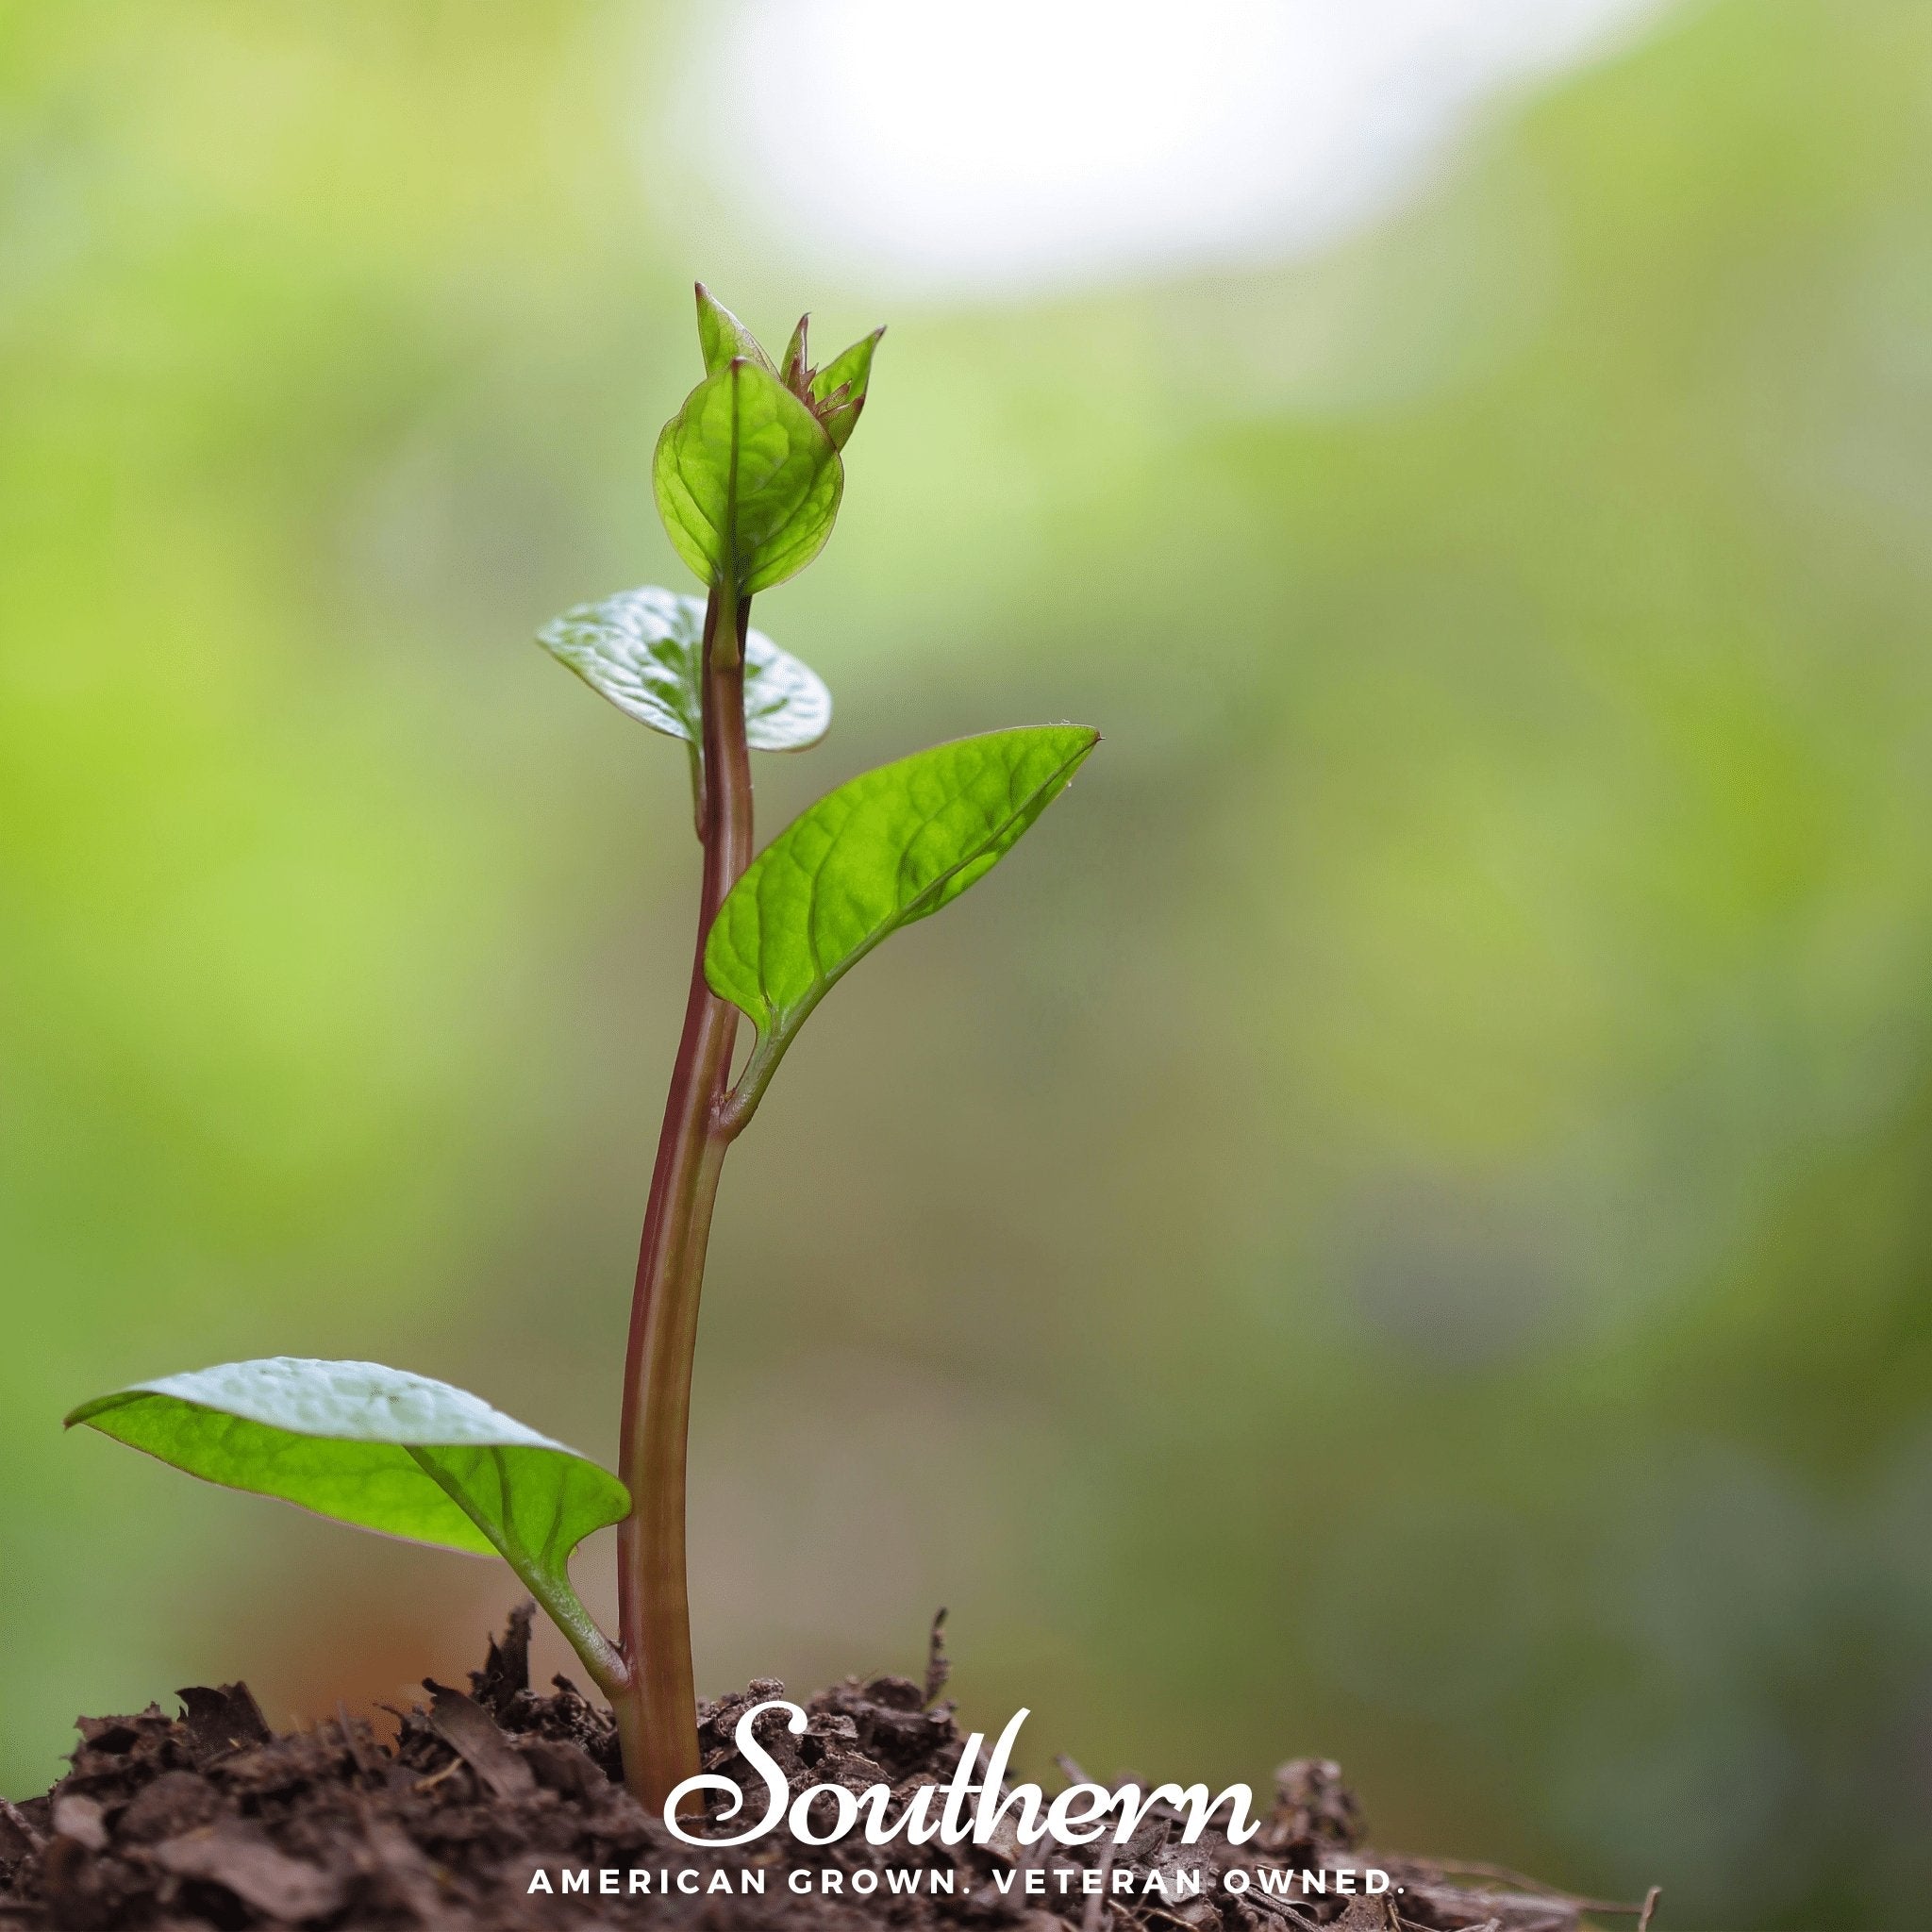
(1397, 1226)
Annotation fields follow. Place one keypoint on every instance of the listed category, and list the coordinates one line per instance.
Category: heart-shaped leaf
(890, 847)
(644, 650)
(747, 481)
(386, 1450)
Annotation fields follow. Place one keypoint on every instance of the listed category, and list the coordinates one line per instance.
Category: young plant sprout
(747, 477)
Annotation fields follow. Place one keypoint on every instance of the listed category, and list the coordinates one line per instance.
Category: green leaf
(792, 364)
(722, 335)
(644, 650)
(876, 853)
(850, 370)
(747, 481)
(385, 1451)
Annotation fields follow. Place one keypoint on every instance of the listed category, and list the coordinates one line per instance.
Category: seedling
(747, 476)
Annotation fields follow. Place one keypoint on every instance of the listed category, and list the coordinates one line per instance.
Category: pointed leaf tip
(722, 335)
(888, 848)
(850, 371)
(795, 368)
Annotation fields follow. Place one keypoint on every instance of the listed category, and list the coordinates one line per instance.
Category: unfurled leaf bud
(838, 390)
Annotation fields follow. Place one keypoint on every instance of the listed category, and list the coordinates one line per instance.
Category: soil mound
(209, 1820)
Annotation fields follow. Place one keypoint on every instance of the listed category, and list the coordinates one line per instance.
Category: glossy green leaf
(644, 650)
(890, 847)
(722, 335)
(747, 481)
(385, 1451)
(849, 370)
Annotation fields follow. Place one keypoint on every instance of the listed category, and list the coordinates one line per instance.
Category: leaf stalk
(548, 1583)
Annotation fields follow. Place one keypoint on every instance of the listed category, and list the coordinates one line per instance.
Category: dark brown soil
(210, 1821)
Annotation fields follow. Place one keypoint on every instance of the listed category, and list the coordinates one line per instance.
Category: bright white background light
(1013, 143)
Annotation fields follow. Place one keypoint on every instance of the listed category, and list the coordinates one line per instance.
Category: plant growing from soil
(747, 476)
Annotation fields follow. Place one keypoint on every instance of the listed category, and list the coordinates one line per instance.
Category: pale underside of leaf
(357, 1442)
(387, 1451)
(886, 849)
(644, 650)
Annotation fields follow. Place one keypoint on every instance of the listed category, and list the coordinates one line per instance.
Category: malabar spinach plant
(747, 477)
